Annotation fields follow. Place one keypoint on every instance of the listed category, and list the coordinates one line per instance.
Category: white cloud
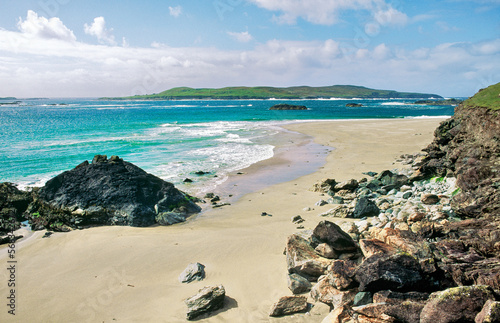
(99, 30)
(390, 16)
(243, 37)
(34, 65)
(41, 27)
(326, 12)
(175, 11)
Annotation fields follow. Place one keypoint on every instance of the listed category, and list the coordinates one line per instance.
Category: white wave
(394, 103)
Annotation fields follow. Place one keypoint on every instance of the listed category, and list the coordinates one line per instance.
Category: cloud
(33, 65)
(175, 11)
(99, 30)
(390, 16)
(41, 27)
(326, 12)
(243, 37)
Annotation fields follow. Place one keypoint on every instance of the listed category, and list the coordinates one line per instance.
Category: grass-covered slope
(264, 92)
(486, 98)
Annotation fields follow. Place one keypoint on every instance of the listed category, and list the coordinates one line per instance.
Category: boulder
(457, 304)
(194, 271)
(298, 284)
(207, 300)
(339, 315)
(331, 234)
(289, 305)
(349, 185)
(362, 298)
(302, 259)
(391, 297)
(285, 106)
(397, 272)
(325, 250)
(112, 192)
(365, 208)
(388, 178)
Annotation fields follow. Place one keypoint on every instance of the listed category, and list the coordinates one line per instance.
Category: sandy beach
(125, 274)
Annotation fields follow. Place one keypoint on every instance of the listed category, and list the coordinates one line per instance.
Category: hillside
(264, 92)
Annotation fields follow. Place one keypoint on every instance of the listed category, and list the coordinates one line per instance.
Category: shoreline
(96, 274)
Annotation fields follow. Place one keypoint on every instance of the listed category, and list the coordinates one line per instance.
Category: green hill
(266, 92)
(487, 98)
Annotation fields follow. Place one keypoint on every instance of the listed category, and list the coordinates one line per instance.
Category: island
(284, 106)
(267, 92)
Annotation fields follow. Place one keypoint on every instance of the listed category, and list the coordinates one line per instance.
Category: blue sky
(73, 48)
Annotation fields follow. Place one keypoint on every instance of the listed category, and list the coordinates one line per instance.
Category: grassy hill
(488, 98)
(265, 92)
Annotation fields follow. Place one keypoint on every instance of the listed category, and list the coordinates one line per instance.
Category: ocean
(173, 140)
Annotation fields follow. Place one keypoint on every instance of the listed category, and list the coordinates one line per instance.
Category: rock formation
(104, 192)
(431, 241)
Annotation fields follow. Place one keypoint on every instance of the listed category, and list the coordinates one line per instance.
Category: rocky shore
(426, 245)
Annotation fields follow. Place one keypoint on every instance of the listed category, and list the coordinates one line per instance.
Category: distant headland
(266, 92)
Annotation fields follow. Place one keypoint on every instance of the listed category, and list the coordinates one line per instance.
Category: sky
(76, 48)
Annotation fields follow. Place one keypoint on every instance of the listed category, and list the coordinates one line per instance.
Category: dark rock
(194, 271)
(371, 174)
(201, 173)
(365, 208)
(289, 305)
(108, 193)
(396, 272)
(325, 186)
(333, 235)
(297, 219)
(209, 196)
(353, 105)
(47, 234)
(490, 312)
(458, 304)
(284, 106)
(207, 300)
(13, 203)
(187, 180)
(215, 199)
(389, 178)
(298, 284)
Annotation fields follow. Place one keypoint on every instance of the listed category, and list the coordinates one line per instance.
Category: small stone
(297, 219)
(417, 216)
(429, 199)
(194, 271)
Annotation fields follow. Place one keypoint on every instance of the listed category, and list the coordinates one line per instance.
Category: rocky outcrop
(430, 248)
(468, 146)
(108, 192)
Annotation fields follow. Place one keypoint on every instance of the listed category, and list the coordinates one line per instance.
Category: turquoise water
(172, 139)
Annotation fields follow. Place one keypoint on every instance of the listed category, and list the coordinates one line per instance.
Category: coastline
(97, 274)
